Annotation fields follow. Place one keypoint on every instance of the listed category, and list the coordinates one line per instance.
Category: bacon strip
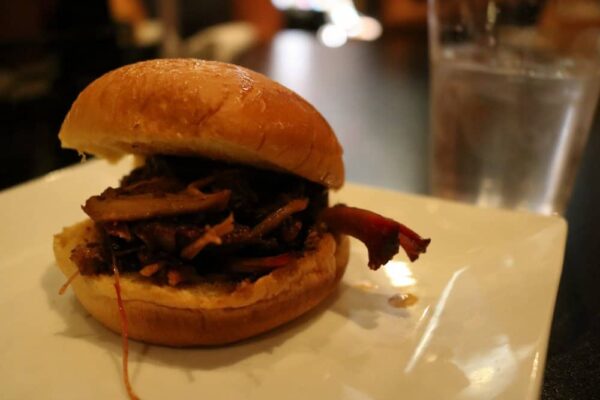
(143, 206)
(274, 219)
(382, 236)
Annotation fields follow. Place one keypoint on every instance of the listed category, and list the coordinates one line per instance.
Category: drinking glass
(513, 95)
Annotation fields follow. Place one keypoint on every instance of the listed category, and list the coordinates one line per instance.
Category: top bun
(210, 109)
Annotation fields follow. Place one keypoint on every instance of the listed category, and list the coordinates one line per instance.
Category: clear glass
(513, 94)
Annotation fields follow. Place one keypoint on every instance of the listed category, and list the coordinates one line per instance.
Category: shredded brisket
(176, 220)
(160, 221)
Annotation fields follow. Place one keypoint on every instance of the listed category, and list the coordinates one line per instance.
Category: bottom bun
(205, 313)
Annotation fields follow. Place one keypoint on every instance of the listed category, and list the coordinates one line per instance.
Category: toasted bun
(205, 313)
(201, 108)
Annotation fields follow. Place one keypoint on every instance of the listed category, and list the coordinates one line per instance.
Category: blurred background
(51, 49)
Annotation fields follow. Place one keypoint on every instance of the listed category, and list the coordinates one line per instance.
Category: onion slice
(212, 234)
(274, 219)
(143, 206)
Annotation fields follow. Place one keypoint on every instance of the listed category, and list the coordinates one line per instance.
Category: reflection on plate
(479, 328)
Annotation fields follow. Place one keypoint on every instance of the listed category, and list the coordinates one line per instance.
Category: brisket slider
(223, 230)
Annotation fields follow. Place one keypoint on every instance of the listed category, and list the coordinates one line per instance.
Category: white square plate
(479, 329)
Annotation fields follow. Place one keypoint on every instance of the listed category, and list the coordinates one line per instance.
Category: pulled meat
(90, 258)
(212, 235)
(275, 219)
(118, 229)
(262, 264)
(151, 269)
(176, 219)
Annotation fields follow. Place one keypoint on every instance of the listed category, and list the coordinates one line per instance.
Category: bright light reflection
(421, 319)
(399, 274)
(490, 372)
(433, 322)
(298, 4)
(345, 20)
(345, 16)
(368, 29)
(332, 35)
(535, 365)
(291, 61)
(559, 160)
(481, 376)
(282, 4)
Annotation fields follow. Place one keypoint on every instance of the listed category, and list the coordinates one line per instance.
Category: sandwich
(223, 229)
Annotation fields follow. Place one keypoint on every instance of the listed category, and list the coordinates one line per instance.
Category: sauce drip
(402, 300)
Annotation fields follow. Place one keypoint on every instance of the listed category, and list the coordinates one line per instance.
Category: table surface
(375, 96)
